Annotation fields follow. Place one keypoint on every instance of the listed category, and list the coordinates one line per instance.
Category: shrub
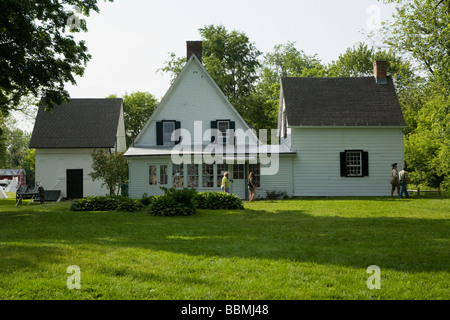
(174, 202)
(218, 200)
(275, 195)
(146, 200)
(105, 203)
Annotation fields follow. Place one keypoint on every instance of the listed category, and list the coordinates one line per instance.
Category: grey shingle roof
(81, 123)
(341, 102)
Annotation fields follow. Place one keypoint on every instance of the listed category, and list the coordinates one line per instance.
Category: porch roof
(226, 151)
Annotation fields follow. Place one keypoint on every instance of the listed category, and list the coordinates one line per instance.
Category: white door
(158, 176)
(238, 186)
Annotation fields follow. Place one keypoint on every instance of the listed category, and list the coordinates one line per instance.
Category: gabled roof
(81, 123)
(192, 60)
(341, 102)
(11, 172)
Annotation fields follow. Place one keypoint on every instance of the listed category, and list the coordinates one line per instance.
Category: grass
(286, 250)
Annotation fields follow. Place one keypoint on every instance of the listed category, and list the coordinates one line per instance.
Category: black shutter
(365, 163)
(159, 133)
(213, 126)
(343, 164)
(232, 137)
(178, 126)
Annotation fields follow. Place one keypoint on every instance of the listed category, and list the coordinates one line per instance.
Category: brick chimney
(194, 47)
(380, 71)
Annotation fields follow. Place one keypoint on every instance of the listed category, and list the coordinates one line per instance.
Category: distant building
(65, 138)
(10, 174)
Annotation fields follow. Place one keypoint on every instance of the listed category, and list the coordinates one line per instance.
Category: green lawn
(291, 249)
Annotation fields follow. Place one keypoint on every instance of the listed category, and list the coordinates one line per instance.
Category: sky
(129, 40)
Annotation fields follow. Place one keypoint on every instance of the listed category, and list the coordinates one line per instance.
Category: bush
(146, 200)
(105, 203)
(218, 200)
(174, 202)
(275, 195)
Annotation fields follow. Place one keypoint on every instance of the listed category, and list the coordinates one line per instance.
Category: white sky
(130, 39)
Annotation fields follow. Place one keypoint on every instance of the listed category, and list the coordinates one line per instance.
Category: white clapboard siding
(282, 181)
(138, 178)
(193, 97)
(317, 164)
(52, 166)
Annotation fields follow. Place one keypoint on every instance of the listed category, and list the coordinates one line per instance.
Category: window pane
(163, 174)
(152, 175)
(168, 129)
(238, 171)
(353, 163)
(208, 175)
(223, 126)
(177, 175)
(192, 175)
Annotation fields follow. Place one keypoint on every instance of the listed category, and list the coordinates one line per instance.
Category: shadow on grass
(398, 243)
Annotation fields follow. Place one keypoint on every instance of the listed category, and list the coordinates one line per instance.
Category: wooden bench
(438, 191)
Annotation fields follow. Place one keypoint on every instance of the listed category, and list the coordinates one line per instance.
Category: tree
(14, 152)
(137, 109)
(111, 168)
(285, 61)
(37, 56)
(427, 147)
(420, 31)
(358, 62)
(231, 60)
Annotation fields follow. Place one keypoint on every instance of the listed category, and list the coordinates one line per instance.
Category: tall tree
(358, 62)
(37, 55)
(137, 109)
(231, 59)
(285, 61)
(420, 31)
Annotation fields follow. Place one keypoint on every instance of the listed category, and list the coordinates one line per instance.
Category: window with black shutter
(164, 130)
(225, 131)
(354, 163)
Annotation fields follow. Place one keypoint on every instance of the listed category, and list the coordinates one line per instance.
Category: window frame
(226, 137)
(160, 132)
(179, 177)
(364, 163)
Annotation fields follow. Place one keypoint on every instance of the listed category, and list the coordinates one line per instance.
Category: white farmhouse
(346, 131)
(214, 139)
(338, 136)
(65, 137)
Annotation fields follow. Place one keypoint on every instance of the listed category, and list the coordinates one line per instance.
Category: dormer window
(168, 129)
(164, 130)
(223, 127)
(225, 130)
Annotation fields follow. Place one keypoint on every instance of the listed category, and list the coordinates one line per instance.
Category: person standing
(226, 183)
(41, 193)
(403, 180)
(394, 180)
(251, 186)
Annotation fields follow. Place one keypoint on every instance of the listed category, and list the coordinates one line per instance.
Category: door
(238, 187)
(74, 183)
(158, 176)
